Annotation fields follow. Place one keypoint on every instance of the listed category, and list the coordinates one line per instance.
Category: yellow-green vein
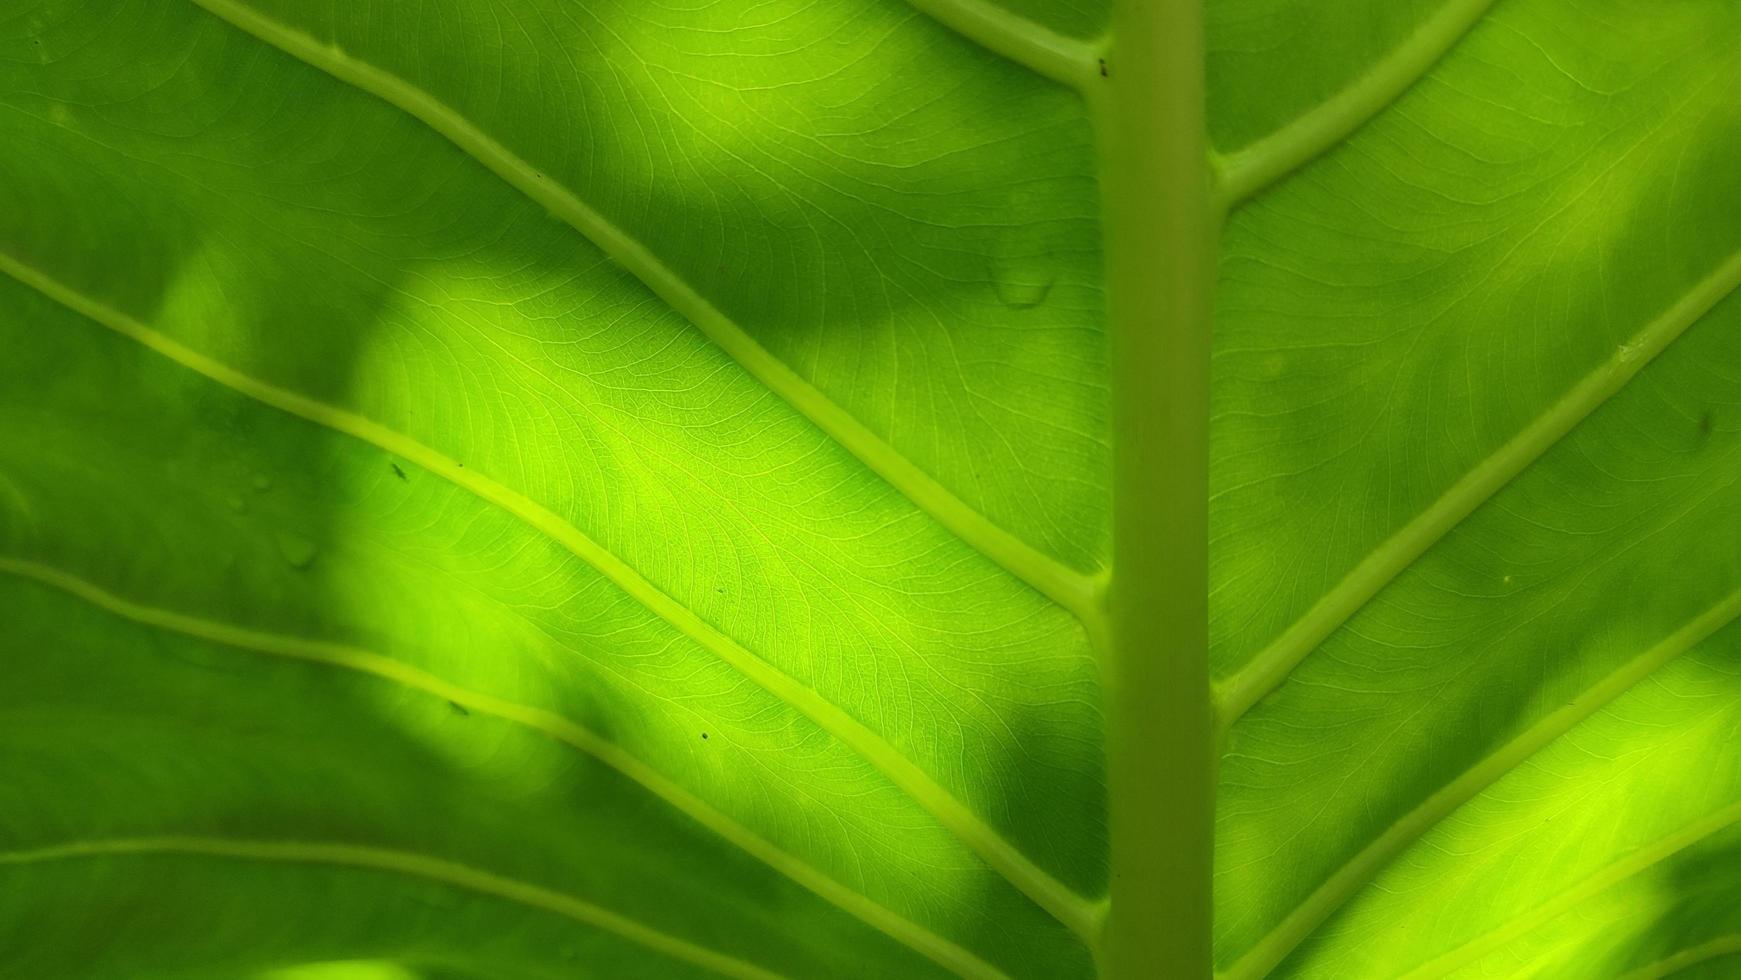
(1071, 909)
(1565, 901)
(1071, 61)
(1691, 956)
(1266, 671)
(407, 864)
(1341, 885)
(1250, 169)
(1064, 585)
(937, 949)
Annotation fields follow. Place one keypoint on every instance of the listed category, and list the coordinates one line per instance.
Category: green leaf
(532, 489)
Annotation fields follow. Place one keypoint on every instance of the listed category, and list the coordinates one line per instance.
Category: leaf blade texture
(539, 489)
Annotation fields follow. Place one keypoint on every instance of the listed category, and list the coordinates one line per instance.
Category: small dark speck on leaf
(704, 736)
(1705, 423)
(1103, 72)
(397, 471)
(720, 590)
(458, 708)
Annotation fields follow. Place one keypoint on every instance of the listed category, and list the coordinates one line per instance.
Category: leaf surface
(540, 489)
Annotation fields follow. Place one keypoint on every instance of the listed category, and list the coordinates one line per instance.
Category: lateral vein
(1266, 671)
(1341, 885)
(1249, 170)
(1071, 909)
(1689, 957)
(1068, 60)
(1634, 863)
(1066, 586)
(939, 950)
(408, 864)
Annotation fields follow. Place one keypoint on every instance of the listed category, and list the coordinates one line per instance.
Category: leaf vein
(1340, 886)
(1687, 958)
(1069, 908)
(1247, 171)
(1066, 586)
(408, 864)
(1068, 60)
(549, 723)
(1270, 667)
(1637, 862)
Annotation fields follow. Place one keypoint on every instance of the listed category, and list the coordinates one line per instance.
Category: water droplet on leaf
(1023, 291)
(296, 549)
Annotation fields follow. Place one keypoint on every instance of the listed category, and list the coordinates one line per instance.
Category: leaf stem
(1162, 224)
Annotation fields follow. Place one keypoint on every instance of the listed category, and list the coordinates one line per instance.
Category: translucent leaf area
(533, 489)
